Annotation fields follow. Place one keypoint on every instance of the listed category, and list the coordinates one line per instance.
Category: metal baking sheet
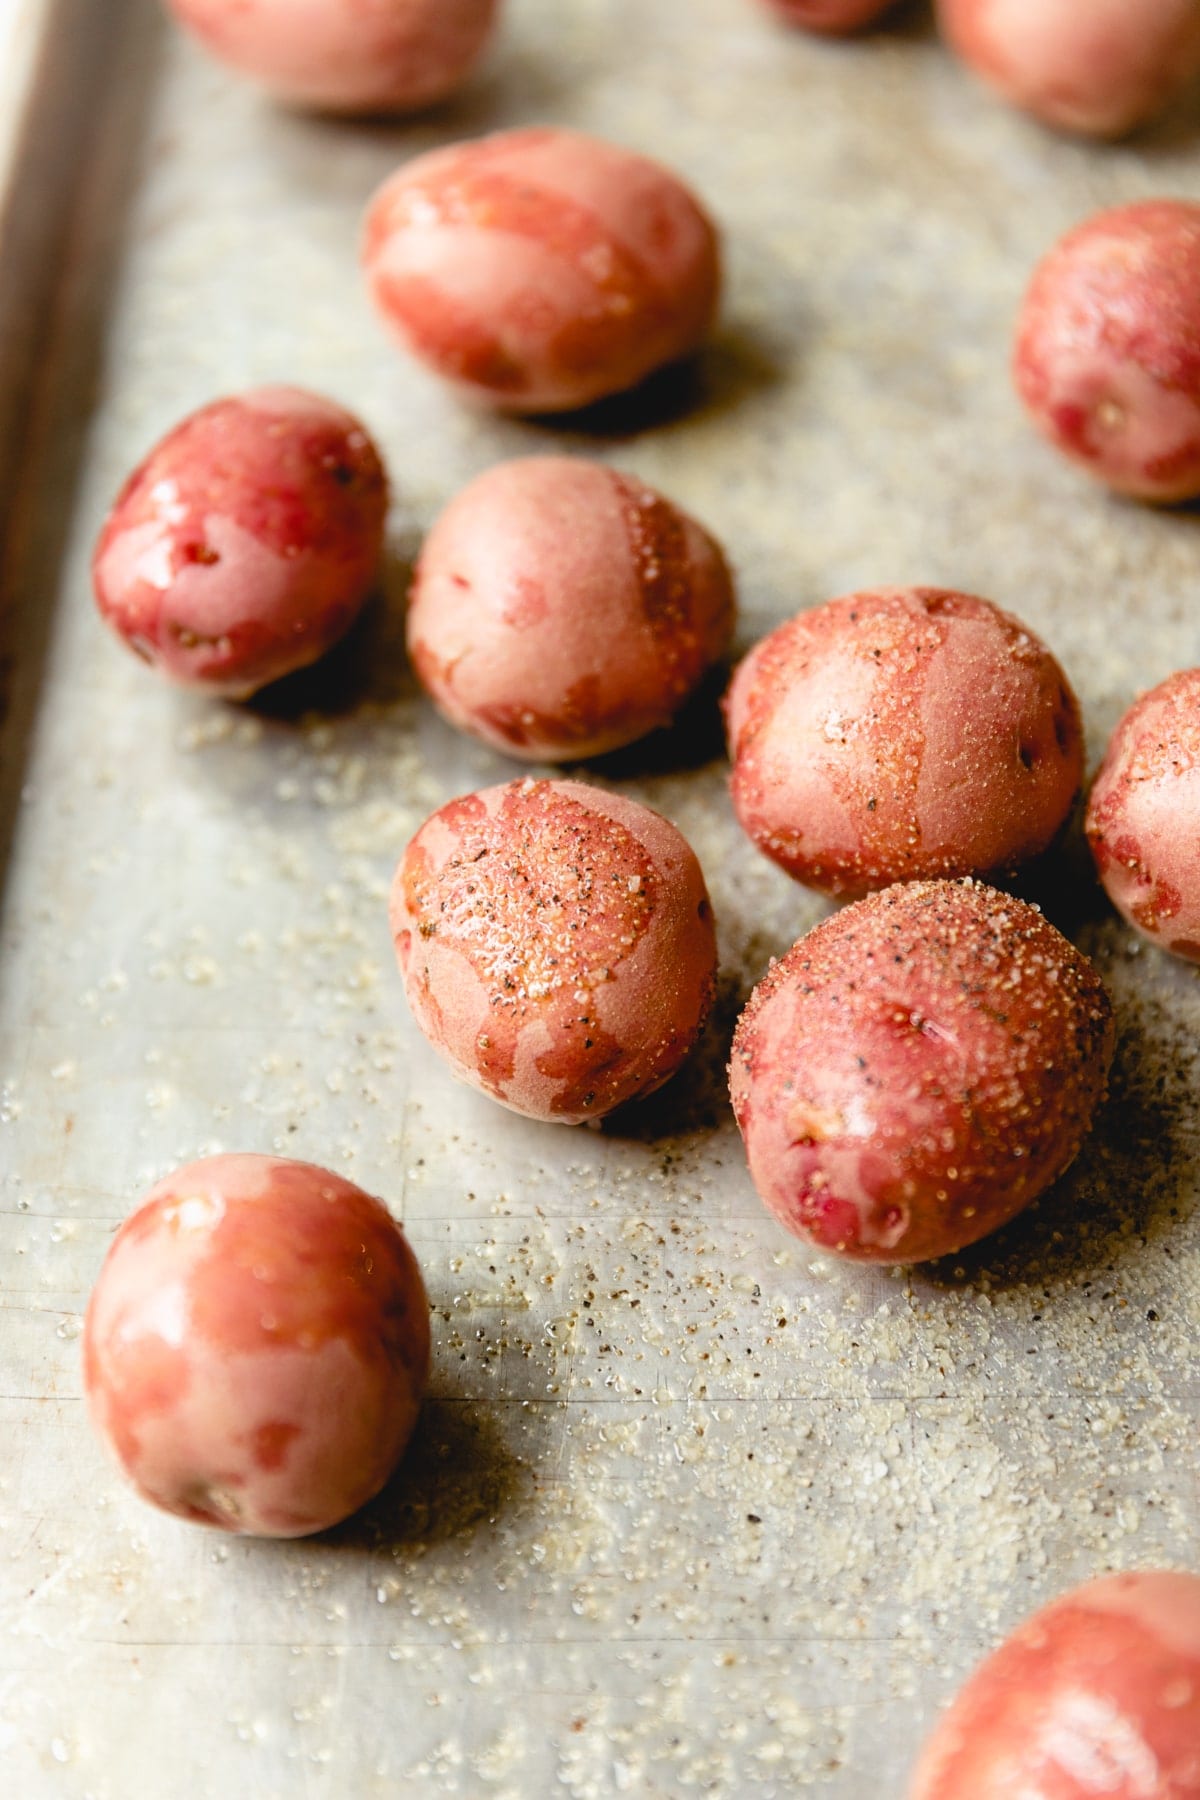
(690, 1510)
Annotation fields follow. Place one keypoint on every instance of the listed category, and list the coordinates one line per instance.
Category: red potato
(1099, 67)
(917, 1069)
(557, 946)
(561, 609)
(346, 55)
(1107, 354)
(256, 1346)
(539, 270)
(246, 543)
(1097, 1697)
(832, 17)
(1143, 817)
(902, 733)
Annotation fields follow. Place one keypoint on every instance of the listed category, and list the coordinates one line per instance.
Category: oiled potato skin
(557, 945)
(346, 55)
(1107, 352)
(829, 16)
(246, 543)
(1097, 67)
(1097, 1694)
(561, 609)
(540, 269)
(900, 734)
(1143, 817)
(256, 1346)
(917, 1069)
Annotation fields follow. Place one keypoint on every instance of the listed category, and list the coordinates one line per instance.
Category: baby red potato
(246, 543)
(539, 270)
(346, 55)
(831, 17)
(256, 1346)
(1096, 1696)
(1098, 67)
(561, 609)
(902, 733)
(557, 945)
(1106, 348)
(917, 1069)
(1143, 817)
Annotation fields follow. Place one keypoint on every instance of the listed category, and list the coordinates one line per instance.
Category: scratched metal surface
(690, 1510)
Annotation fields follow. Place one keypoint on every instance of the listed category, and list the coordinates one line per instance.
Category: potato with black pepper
(917, 1069)
(557, 945)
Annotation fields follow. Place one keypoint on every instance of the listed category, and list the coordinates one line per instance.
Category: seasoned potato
(902, 733)
(346, 55)
(1098, 1694)
(246, 543)
(1099, 67)
(1105, 357)
(917, 1069)
(539, 269)
(1143, 817)
(557, 945)
(256, 1346)
(561, 609)
(831, 16)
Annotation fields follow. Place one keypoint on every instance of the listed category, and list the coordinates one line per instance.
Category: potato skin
(917, 1069)
(899, 734)
(246, 543)
(829, 17)
(1097, 1694)
(256, 1346)
(1107, 352)
(557, 945)
(1099, 68)
(561, 609)
(539, 270)
(346, 55)
(1143, 816)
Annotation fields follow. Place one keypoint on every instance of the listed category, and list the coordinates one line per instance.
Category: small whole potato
(1143, 817)
(256, 1346)
(557, 945)
(1105, 358)
(832, 17)
(539, 270)
(561, 609)
(902, 733)
(246, 543)
(917, 1069)
(1098, 67)
(1096, 1695)
(346, 55)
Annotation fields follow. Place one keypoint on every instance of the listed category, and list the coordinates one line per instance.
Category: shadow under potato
(368, 666)
(1129, 1174)
(731, 367)
(1063, 882)
(694, 738)
(696, 1099)
(458, 1476)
